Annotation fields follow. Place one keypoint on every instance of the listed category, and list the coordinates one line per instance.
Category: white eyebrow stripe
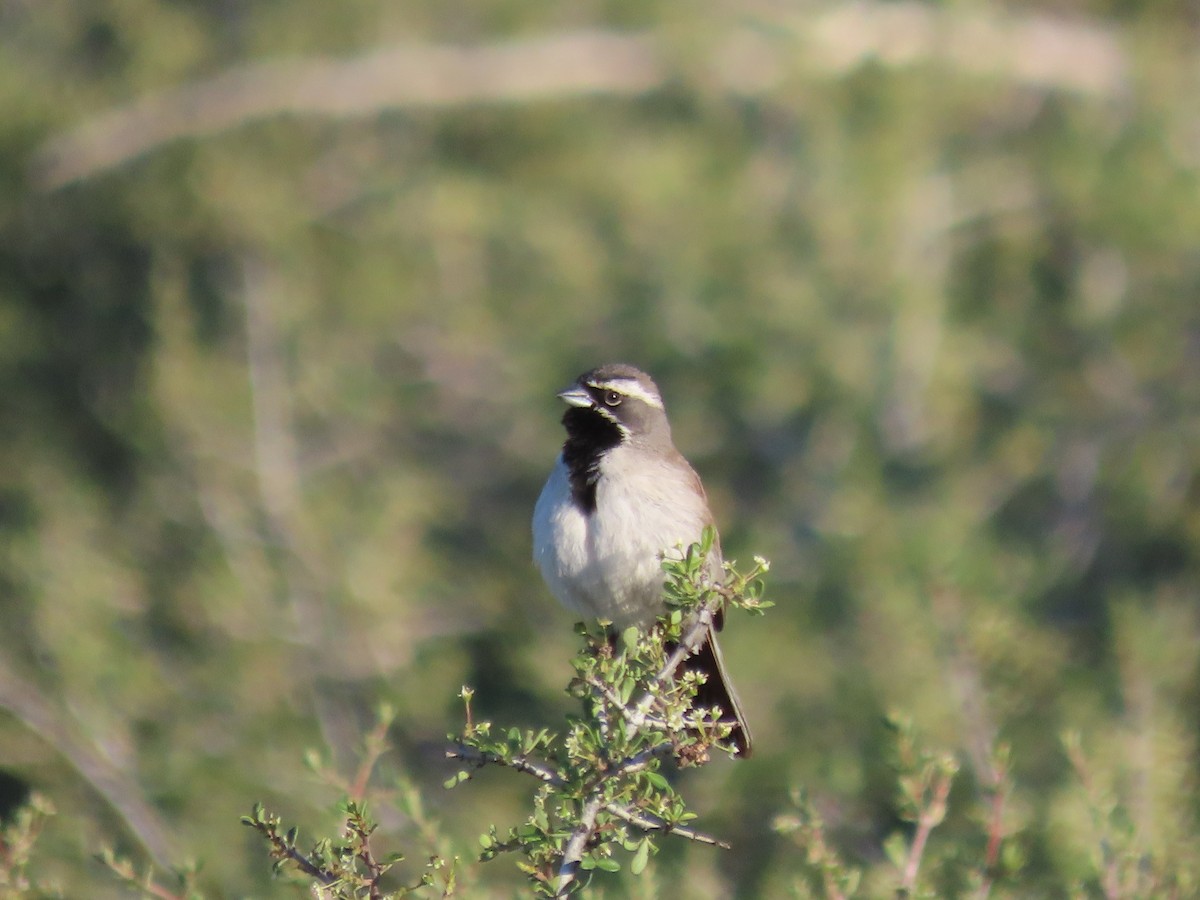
(630, 388)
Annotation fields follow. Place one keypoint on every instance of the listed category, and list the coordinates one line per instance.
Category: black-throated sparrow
(621, 496)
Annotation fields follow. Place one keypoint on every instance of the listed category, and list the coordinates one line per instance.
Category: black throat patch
(589, 435)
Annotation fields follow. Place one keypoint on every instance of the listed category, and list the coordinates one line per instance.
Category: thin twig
(611, 696)
(144, 884)
(931, 814)
(519, 763)
(995, 837)
(653, 823)
(283, 850)
(541, 771)
(966, 680)
(374, 747)
(374, 868)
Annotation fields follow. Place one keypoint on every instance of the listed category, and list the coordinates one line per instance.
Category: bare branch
(573, 852)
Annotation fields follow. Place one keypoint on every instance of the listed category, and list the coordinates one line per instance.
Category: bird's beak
(575, 396)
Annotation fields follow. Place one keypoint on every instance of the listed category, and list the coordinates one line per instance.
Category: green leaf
(896, 850)
(641, 857)
(629, 638)
(657, 780)
(850, 882)
(627, 687)
(1012, 857)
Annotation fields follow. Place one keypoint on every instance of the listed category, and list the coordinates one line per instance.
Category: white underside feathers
(607, 564)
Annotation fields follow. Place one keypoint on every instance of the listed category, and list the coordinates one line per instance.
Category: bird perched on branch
(619, 497)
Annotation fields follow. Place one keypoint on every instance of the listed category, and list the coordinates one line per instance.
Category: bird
(619, 497)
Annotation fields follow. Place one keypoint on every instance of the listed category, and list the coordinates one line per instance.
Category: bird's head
(616, 399)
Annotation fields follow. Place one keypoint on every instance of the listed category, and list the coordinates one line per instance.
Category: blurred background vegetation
(286, 290)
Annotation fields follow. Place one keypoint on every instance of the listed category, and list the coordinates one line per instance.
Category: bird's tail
(717, 690)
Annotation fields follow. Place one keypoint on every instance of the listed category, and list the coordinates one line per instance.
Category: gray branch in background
(28, 704)
(1040, 52)
(397, 77)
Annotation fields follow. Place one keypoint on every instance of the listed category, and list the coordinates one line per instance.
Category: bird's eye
(612, 398)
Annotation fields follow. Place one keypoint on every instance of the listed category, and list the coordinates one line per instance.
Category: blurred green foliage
(276, 398)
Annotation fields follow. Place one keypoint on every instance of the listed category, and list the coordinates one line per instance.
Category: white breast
(608, 564)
